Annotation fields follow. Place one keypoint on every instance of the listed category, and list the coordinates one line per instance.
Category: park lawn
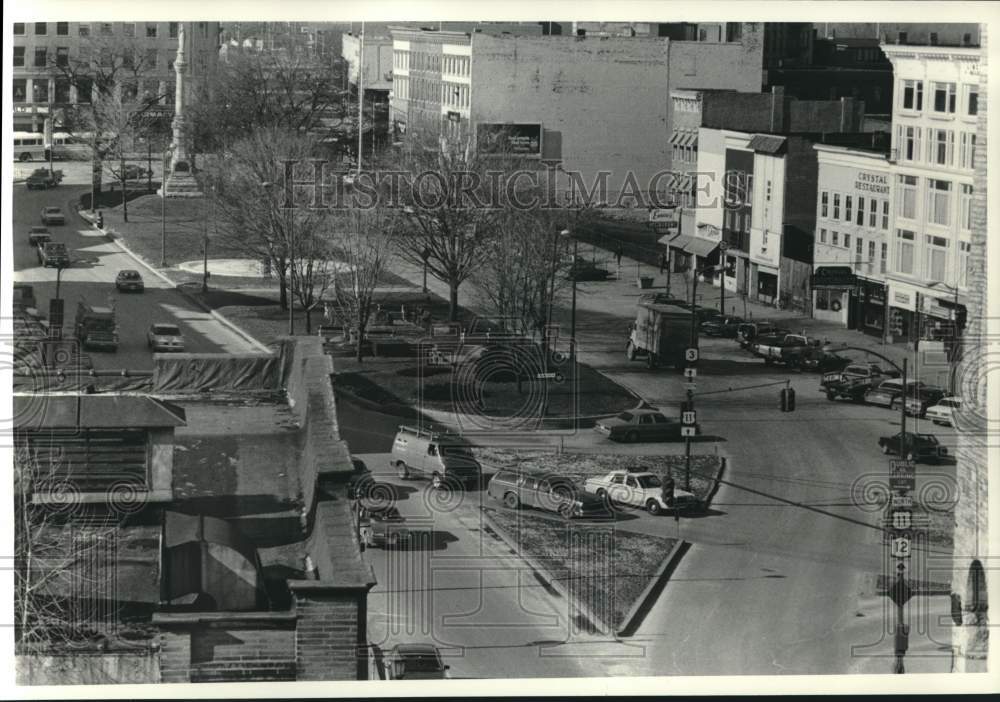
(704, 468)
(603, 567)
(442, 388)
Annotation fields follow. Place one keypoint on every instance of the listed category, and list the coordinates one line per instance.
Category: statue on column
(180, 181)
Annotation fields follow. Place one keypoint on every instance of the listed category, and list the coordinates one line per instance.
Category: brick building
(41, 47)
(588, 104)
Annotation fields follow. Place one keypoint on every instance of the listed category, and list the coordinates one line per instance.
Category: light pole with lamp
(163, 207)
(956, 334)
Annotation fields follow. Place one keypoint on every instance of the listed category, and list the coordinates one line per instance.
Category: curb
(113, 236)
(598, 623)
(723, 462)
(648, 598)
(394, 410)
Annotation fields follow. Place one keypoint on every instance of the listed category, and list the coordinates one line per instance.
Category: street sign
(900, 547)
(690, 373)
(691, 355)
(690, 387)
(545, 376)
(689, 418)
(689, 431)
(900, 502)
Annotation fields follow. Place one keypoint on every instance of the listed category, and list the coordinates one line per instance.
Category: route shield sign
(689, 418)
(900, 547)
(691, 355)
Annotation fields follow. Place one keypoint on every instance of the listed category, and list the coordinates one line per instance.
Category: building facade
(41, 49)
(574, 101)
(933, 159)
(854, 218)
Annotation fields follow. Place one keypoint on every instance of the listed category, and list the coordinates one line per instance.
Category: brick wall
(330, 636)
(227, 646)
(970, 640)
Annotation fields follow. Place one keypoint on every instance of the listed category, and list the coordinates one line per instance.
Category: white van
(439, 456)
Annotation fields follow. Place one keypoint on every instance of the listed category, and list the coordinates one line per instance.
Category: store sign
(901, 298)
(833, 277)
(520, 139)
(877, 183)
(665, 220)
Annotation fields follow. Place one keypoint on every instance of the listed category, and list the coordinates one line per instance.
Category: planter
(644, 282)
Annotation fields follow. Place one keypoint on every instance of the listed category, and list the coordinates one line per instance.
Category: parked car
(442, 457)
(919, 447)
(133, 172)
(853, 382)
(888, 392)
(43, 179)
(582, 270)
(53, 254)
(129, 280)
(164, 337)
(822, 361)
(548, 493)
(918, 400)
(787, 349)
(415, 661)
(39, 235)
(640, 487)
(639, 425)
(748, 331)
(52, 215)
(725, 327)
(941, 413)
(382, 526)
(662, 299)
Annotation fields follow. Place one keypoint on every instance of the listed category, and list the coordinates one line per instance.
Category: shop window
(822, 299)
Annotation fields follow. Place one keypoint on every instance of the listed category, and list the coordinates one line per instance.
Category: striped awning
(701, 247)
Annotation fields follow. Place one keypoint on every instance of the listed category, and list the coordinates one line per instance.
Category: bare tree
(453, 205)
(53, 542)
(266, 89)
(250, 198)
(363, 244)
(313, 263)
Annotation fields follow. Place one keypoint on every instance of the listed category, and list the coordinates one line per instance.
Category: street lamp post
(163, 209)
(572, 319)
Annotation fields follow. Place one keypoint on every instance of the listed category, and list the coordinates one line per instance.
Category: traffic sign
(690, 373)
(899, 547)
(545, 376)
(689, 418)
(902, 475)
(902, 519)
(897, 501)
(689, 431)
(691, 355)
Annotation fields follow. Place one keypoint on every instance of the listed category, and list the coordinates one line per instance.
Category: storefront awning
(701, 247)
(678, 241)
(694, 141)
(676, 137)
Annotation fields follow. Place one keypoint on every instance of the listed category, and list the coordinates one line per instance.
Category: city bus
(30, 146)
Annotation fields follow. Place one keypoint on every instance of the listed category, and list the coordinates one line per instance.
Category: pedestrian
(100, 220)
(663, 262)
(618, 255)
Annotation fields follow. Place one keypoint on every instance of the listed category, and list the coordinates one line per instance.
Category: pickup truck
(639, 488)
(787, 349)
(853, 382)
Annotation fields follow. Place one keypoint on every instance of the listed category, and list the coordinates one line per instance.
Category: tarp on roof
(208, 561)
(212, 372)
(40, 411)
(767, 143)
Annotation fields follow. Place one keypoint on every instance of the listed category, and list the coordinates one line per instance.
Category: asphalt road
(96, 262)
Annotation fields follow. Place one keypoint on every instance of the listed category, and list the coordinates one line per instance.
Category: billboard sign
(518, 139)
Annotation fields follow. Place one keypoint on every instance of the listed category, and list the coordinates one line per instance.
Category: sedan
(583, 270)
(942, 412)
(887, 393)
(129, 280)
(39, 235)
(639, 425)
(52, 215)
(164, 337)
(919, 447)
(415, 661)
(721, 326)
(920, 399)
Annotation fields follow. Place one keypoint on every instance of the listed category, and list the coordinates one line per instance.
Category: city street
(95, 263)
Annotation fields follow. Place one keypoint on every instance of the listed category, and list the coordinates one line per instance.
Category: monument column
(180, 181)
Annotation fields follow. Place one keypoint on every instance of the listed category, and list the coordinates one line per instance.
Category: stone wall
(88, 669)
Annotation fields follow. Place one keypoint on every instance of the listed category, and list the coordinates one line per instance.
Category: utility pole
(361, 92)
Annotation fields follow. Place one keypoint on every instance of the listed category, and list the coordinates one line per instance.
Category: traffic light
(787, 400)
